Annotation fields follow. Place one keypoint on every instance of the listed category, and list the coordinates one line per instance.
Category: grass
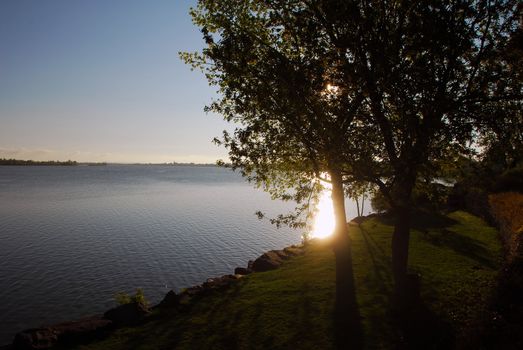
(457, 255)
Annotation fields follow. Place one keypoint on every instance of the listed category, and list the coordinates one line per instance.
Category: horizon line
(174, 163)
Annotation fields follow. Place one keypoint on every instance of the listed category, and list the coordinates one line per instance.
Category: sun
(324, 220)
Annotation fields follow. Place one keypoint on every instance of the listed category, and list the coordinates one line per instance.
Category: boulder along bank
(99, 326)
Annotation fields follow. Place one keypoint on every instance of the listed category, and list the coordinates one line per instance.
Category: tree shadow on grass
(380, 261)
(462, 245)
(504, 328)
(414, 328)
(167, 328)
(436, 229)
(420, 328)
(250, 327)
(221, 315)
(421, 220)
(348, 331)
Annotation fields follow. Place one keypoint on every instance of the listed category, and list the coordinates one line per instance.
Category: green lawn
(290, 308)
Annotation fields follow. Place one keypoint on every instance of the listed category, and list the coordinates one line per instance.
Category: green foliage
(379, 203)
(278, 82)
(291, 308)
(430, 196)
(124, 298)
(365, 92)
(478, 179)
(380, 91)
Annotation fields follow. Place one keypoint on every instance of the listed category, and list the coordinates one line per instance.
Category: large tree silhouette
(277, 81)
(373, 91)
(434, 73)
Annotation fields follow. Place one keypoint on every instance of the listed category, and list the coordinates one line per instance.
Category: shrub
(138, 297)
(507, 209)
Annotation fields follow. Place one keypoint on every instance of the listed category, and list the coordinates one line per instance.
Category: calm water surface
(71, 237)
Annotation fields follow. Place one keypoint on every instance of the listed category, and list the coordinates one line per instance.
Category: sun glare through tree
(324, 219)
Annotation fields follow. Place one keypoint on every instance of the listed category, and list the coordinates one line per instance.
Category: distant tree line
(5, 161)
(192, 164)
(179, 164)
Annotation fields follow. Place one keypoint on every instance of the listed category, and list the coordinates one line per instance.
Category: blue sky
(98, 80)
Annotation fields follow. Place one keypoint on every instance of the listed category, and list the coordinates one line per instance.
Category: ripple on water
(70, 238)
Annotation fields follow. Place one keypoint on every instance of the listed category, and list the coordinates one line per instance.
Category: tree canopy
(276, 81)
(375, 91)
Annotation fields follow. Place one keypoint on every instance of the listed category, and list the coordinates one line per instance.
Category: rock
(171, 299)
(281, 253)
(267, 261)
(293, 251)
(190, 293)
(195, 290)
(127, 314)
(219, 282)
(35, 338)
(274, 258)
(249, 264)
(83, 329)
(242, 271)
(66, 332)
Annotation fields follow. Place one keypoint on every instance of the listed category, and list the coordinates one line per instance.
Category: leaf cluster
(381, 91)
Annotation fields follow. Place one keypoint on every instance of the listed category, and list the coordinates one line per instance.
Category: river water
(72, 237)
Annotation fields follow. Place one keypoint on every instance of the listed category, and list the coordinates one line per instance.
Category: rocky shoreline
(99, 326)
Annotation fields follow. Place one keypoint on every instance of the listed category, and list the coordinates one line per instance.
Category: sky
(98, 80)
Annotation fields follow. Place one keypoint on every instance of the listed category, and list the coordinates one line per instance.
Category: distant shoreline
(4, 161)
(19, 162)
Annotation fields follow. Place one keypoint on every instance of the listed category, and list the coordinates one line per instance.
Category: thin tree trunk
(357, 206)
(345, 293)
(362, 204)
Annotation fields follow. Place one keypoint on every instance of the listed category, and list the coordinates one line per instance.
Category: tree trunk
(348, 333)
(357, 205)
(345, 293)
(400, 253)
(401, 237)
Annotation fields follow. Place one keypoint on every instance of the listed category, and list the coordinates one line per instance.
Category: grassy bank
(290, 308)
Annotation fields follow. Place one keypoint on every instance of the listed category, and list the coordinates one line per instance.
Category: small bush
(138, 297)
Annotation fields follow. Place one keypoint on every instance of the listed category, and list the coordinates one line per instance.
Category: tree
(277, 81)
(432, 73)
(502, 135)
(374, 91)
